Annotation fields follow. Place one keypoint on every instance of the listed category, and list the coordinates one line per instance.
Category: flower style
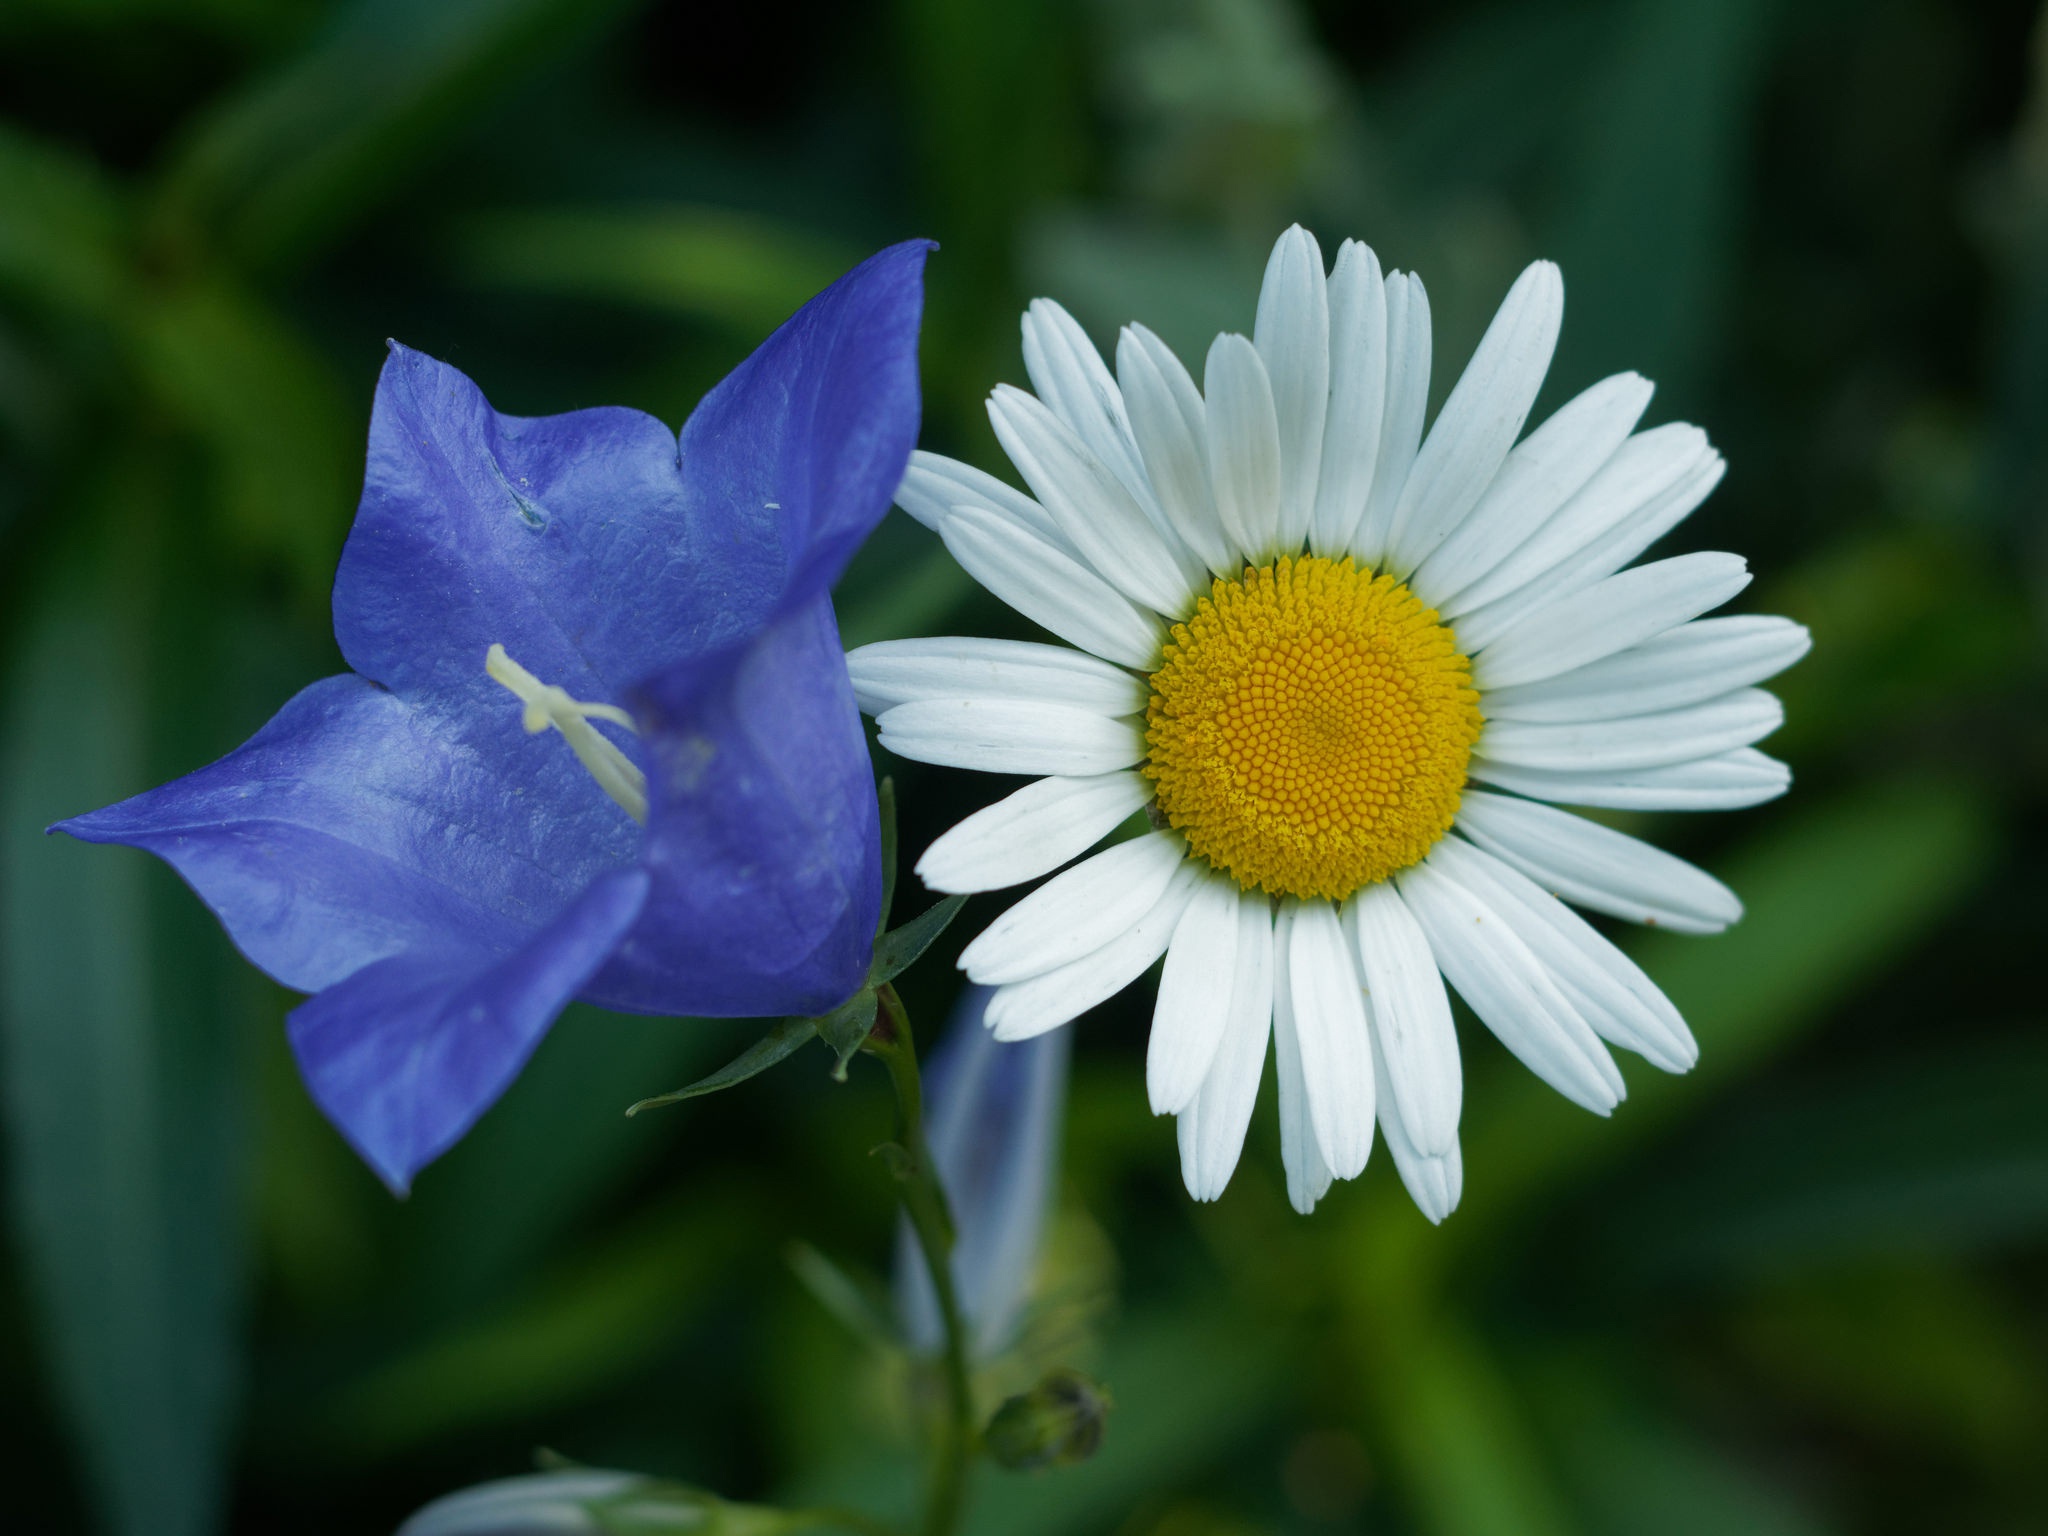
(397, 843)
(1304, 630)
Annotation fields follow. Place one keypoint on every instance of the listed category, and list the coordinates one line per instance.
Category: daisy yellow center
(1309, 728)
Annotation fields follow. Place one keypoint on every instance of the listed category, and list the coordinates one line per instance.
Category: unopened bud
(1057, 1423)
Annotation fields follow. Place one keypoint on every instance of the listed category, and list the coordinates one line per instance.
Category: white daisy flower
(1305, 635)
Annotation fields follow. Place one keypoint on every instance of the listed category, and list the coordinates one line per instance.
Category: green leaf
(780, 1041)
(1832, 895)
(885, 797)
(283, 440)
(1466, 1445)
(846, 1027)
(118, 1022)
(62, 228)
(1637, 1470)
(591, 1322)
(1649, 225)
(547, 1153)
(704, 263)
(858, 1303)
(899, 949)
(1946, 1152)
(275, 171)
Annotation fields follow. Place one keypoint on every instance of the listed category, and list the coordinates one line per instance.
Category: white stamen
(546, 705)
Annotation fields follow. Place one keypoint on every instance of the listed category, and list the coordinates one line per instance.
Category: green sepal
(779, 1042)
(846, 1027)
(885, 798)
(898, 950)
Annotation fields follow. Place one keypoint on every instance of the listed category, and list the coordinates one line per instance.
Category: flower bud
(993, 1118)
(1057, 1423)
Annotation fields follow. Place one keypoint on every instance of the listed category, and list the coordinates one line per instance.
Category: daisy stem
(924, 1202)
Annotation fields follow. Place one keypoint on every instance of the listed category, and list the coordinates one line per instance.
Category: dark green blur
(1802, 1291)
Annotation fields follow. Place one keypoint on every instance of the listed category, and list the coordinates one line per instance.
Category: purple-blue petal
(802, 446)
(762, 833)
(357, 825)
(406, 1054)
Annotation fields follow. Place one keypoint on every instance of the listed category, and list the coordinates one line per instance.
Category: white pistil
(546, 705)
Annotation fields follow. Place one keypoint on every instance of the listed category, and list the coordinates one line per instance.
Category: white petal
(1738, 719)
(1244, 448)
(1694, 662)
(1546, 469)
(1212, 1128)
(1308, 1176)
(1051, 588)
(1511, 991)
(1171, 426)
(892, 672)
(1358, 398)
(1401, 421)
(1011, 736)
(1076, 913)
(1609, 616)
(1071, 378)
(1608, 989)
(1029, 1008)
(1481, 419)
(1193, 1006)
(1539, 574)
(1411, 1018)
(1434, 1183)
(1598, 867)
(1032, 832)
(934, 485)
(1093, 509)
(1293, 337)
(1729, 782)
(1330, 1027)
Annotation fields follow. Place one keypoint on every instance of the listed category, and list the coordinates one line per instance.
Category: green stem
(924, 1202)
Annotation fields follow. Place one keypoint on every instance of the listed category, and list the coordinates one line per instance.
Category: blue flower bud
(993, 1117)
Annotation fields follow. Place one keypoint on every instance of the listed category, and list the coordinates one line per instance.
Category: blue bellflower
(402, 843)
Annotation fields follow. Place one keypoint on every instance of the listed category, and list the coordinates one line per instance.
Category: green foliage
(1796, 1291)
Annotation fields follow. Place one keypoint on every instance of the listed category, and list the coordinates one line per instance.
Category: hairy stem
(924, 1202)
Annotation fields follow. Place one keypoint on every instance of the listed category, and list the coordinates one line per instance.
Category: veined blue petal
(800, 449)
(762, 834)
(405, 1054)
(355, 826)
(993, 1116)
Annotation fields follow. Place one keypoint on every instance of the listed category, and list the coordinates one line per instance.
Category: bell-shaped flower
(696, 831)
(994, 1110)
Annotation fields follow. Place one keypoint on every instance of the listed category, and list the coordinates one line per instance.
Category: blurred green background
(1800, 1291)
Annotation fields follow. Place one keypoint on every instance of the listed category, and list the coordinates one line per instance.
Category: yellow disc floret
(1309, 728)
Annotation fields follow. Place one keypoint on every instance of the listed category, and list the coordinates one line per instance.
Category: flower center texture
(1309, 728)
(546, 705)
